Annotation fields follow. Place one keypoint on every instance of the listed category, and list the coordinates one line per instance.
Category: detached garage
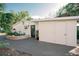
(60, 30)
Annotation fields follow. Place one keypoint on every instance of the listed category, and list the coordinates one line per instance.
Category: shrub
(3, 44)
(15, 33)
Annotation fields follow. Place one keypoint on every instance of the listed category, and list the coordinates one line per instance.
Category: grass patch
(3, 44)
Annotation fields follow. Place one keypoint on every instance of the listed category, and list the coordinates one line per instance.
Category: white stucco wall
(60, 32)
(20, 27)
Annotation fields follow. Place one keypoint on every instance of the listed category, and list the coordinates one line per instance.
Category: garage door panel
(71, 32)
(47, 31)
(60, 32)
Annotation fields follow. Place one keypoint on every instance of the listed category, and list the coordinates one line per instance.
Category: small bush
(15, 33)
(3, 44)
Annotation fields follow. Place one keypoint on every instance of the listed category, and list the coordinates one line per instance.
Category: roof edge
(57, 18)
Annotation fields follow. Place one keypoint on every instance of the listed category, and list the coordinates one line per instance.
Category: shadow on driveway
(38, 48)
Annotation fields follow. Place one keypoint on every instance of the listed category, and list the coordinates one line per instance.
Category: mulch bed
(12, 52)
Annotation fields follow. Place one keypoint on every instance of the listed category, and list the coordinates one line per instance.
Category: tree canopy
(20, 15)
(2, 5)
(71, 9)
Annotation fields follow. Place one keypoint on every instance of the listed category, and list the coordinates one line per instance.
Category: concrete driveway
(38, 48)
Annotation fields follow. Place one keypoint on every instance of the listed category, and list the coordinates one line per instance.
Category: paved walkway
(38, 48)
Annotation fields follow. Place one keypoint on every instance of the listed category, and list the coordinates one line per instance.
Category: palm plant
(20, 16)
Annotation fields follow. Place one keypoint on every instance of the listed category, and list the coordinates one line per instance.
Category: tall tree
(2, 7)
(71, 9)
(6, 22)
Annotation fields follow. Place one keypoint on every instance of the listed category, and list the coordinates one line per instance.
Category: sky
(36, 9)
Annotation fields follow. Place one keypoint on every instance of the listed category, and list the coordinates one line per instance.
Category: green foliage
(19, 16)
(1, 10)
(6, 22)
(71, 9)
(2, 5)
(3, 44)
(8, 19)
(15, 33)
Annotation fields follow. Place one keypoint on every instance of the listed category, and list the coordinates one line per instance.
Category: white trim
(58, 18)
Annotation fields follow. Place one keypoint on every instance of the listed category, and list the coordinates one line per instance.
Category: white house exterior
(60, 30)
(20, 27)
